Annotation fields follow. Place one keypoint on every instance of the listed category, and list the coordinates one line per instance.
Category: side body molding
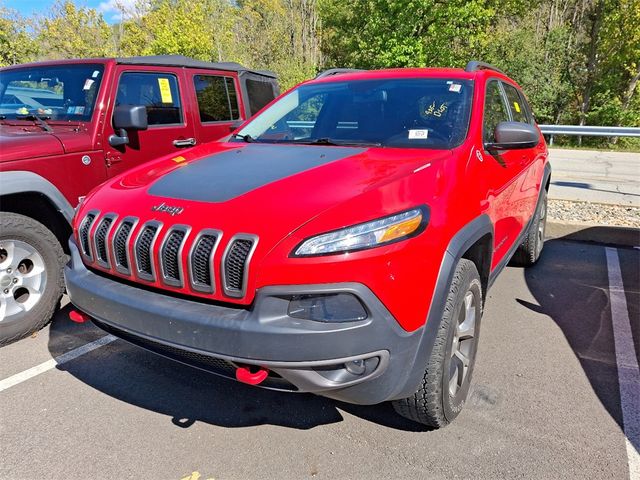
(23, 181)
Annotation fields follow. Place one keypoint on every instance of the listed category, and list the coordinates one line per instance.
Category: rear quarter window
(260, 94)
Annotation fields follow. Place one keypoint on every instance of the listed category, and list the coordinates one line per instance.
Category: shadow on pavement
(571, 286)
(188, 395)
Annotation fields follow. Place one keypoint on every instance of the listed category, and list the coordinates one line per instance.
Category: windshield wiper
(245, 138)
(340, 143)
(38, 119)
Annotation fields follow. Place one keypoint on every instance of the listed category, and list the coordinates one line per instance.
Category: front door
(503, 173)
(170, 130)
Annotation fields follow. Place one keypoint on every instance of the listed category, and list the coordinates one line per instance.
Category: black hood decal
(227, 175)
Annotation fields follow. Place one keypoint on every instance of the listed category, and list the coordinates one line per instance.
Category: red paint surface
(456, 186)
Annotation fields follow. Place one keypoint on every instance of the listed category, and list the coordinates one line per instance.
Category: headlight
(366, 235)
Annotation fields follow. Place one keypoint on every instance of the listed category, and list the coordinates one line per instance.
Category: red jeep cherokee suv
(342, 242)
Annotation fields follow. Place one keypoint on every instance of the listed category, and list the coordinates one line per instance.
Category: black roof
(182, 61)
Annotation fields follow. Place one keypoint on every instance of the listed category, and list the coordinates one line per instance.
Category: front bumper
(301, 355)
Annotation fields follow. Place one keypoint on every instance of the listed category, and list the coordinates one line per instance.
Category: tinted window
(518, 109)
(217, 99)
(403, 113)
(260, 94)
(495, 111)
(156, 91)
(57, 92)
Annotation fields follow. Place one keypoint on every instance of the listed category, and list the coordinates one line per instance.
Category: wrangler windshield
(405, 113)
(56, 92)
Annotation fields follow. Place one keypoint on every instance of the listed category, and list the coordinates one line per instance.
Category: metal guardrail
(589, 131)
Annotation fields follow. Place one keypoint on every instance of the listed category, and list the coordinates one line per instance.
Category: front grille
(143, 250)
(83, 233)
(121, 244)
(100, 239)
(235, 265)
(201, 262)
(114, 241)
(170, 253)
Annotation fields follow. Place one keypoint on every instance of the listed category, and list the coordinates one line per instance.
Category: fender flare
(459, 244)
(20, 181)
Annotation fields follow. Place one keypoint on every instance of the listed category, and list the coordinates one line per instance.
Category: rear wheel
(31, 281)
(530, 250)
(447, 376)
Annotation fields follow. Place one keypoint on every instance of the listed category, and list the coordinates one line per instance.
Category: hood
(255, 188)
(20, 142)
(262, 192)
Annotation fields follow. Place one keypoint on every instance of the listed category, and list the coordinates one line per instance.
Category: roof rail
(474, 65)
(337, 71)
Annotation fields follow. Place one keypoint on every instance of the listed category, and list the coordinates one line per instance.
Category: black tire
(433, 404)
(528, 253)
(19, 228)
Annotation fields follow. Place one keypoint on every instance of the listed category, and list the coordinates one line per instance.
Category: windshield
(405, 113)
(56, 92)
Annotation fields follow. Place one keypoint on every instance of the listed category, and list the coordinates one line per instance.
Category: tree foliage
(577, 60)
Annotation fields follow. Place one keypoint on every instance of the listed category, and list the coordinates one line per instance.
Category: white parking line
(627, 363)
(49, 364)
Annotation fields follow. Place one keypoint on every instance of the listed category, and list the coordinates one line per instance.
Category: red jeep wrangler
(58, 141)
(342, 243)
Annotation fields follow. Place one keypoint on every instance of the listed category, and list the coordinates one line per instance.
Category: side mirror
(127, 117)
(514, 135)
(235, 125)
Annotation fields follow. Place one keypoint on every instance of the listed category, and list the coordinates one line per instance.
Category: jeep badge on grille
(168, 209)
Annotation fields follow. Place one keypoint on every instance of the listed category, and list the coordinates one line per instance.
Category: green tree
(70, 32)
(16, 42)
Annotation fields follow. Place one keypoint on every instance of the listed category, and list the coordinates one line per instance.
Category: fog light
(334, 307)
(355, 367)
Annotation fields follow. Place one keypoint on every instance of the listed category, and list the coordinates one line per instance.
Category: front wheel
(31, 281)
(447, 377)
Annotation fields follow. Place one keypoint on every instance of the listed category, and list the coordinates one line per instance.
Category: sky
(107, 7)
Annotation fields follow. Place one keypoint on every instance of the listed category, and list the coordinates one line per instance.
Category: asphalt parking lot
(547, 401)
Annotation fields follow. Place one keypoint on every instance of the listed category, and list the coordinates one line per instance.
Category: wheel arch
(474, 242)
(29, 194)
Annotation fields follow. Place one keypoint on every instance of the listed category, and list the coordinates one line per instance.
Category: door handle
(187, 142)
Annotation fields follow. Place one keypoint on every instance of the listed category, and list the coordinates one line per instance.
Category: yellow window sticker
(516, 106)
(165, 90)
(179, 159)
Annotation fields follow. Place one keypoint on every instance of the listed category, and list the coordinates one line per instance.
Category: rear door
(162, 92)
(217, 104)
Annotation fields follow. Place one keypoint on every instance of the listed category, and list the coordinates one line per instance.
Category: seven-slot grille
(124, 236)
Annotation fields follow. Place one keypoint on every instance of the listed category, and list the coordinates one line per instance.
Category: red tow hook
(244, 375)
(78, 316)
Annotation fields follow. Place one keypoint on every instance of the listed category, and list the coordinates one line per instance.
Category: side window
(527, 109)
(260, 93)
(158, 92)
(518, 109)
(217, 98)
(495, 111)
